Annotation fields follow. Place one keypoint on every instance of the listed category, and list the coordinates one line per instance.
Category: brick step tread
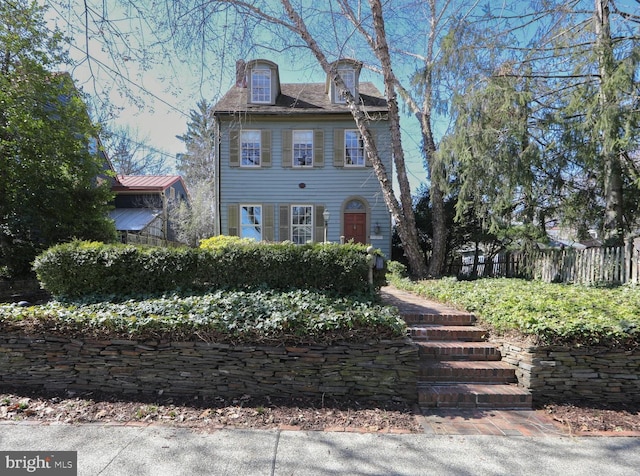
(458, 350)
(474, 396)
(446, 332)
(454, 319)
(473, 371)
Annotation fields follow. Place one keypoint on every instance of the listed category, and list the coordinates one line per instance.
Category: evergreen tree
(49, 185)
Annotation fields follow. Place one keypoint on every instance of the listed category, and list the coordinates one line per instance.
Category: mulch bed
(271, 413)
(592, 417)
(245, 412)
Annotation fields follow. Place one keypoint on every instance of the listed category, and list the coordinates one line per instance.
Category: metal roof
(145, 182)
(133, 219)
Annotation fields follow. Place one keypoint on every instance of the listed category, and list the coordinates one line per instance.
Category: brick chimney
(241, 79)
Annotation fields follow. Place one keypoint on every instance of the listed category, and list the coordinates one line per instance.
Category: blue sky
(155, 97)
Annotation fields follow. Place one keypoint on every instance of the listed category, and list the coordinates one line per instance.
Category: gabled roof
(148, 183)
(300, 98)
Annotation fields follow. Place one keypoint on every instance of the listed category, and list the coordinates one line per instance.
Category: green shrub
(552, 313)
(239, 317)
(222, 241)
(80, 268)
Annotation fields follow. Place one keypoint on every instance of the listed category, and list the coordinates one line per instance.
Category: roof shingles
(300, 98)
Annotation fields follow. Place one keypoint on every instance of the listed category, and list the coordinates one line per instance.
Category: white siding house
(289, 153)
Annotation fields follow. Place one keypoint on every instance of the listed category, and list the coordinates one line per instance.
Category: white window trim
(293, 148)
(261, 70)
(241, 226)
(338, 97)
(292, 225)
(364, 152)
(242, 164)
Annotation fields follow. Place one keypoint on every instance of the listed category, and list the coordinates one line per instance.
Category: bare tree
(132, 155)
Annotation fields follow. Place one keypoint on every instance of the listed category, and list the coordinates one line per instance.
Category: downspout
(216, 166)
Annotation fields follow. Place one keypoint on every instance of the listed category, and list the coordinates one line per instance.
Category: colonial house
(143, 204)
(291, 165)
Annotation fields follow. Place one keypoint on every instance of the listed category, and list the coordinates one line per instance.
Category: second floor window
(353, 149)
(301, 224)
(261, 85)
(251, 222)
(302, 148)
(250, 149)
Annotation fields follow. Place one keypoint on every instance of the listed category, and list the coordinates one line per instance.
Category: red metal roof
(146, 182)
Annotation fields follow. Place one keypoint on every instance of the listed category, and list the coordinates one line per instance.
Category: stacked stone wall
(561, 374)
(384, 370)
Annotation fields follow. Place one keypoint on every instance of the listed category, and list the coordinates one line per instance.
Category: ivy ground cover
(240, 317)
(550, 313)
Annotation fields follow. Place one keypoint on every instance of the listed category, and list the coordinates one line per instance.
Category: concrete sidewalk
(118, 450)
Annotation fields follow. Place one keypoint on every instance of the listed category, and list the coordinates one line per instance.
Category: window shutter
(234, 149)
(367, 160)
(338, 147)
(318, 148)
(233, 219)
(284, 233)
(287, 146)
(265, 153)
(319, 224)
(268, 218)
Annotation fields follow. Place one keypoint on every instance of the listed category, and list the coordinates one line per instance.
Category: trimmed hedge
(81, 268)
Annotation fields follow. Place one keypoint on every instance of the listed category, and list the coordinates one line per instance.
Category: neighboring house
(143, 203)
(290, 155)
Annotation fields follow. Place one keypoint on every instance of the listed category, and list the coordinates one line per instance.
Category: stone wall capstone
(382, 370)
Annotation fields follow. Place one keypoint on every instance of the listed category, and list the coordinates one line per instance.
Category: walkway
(464, 421)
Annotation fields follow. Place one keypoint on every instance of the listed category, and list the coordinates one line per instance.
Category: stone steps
(466, 395)
(445, 332)
(458, 368)
(450, 371)
(458, 350)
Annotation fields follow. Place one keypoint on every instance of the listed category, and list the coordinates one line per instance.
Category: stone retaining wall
(382, 371)
(562, 373)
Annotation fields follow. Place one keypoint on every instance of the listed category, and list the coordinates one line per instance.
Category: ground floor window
(251, 222)
(301, 224)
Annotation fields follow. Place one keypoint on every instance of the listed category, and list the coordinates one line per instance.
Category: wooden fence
(614, 265)
(134, 239)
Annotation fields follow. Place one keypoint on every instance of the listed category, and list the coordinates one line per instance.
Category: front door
(355, 226)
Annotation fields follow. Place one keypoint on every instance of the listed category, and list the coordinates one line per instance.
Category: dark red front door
(355, 227)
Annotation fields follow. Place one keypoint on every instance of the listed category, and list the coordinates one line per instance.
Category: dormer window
(349, 72)
(348, 75)
(261, 85)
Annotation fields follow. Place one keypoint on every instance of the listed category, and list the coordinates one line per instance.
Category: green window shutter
(234, 149)
(284, 233)
(268, 218)
(319, 224)
(367, 161)
(234, 220)
(287, 146)
(338, 147)
(265, 153)
(318, 148)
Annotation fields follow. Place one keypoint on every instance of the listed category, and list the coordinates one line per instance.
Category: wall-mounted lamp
(376, 229)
